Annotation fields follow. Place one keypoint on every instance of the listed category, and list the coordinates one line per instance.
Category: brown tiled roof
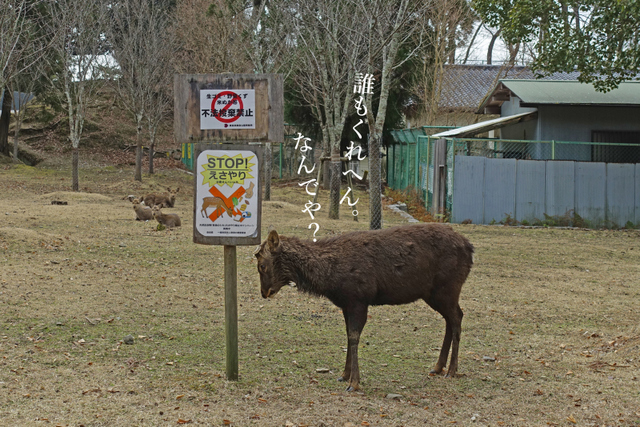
(464, 87)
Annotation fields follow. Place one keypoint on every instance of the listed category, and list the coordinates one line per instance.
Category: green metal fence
(410, 160)
(410, 156)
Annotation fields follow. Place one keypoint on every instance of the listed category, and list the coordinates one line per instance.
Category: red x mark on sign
(228, 201)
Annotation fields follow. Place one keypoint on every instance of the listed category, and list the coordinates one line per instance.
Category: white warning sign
(227, 109)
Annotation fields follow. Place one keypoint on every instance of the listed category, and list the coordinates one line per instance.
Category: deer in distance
(143, 213)
(165, 200)
(359, 269)
(168, 220)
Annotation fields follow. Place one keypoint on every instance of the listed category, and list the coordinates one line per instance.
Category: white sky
(478, 54)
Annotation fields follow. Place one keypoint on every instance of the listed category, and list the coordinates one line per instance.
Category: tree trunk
(336, 174)
(4, 122)
(74, 169)
(138, 171)
(326, 172)
(472, 42)
(375, 183)
(490, 48)
(15, 138)
(151, 152)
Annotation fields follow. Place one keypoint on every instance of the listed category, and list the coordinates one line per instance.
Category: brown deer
(168, 220)
(355, 270)
(217, 203)
(143, 213)
(165, 200)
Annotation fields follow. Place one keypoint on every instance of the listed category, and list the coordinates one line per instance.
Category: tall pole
(231, 311)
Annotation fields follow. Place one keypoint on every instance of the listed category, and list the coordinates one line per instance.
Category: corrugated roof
(478, 128)
(535, 92)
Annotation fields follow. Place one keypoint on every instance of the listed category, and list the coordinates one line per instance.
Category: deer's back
(399, 265)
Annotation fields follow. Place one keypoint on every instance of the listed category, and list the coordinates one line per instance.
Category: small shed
(564, 151)
(571, 111)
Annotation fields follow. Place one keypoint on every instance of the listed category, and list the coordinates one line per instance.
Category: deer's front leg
(355, 318)
(346, 374)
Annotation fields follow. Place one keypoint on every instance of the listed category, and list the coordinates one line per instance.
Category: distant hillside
(108, 138)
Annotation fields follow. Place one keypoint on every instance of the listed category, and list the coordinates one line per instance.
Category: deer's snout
(267, 293)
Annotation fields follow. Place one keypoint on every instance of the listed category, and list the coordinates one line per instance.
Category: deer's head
(273, 275)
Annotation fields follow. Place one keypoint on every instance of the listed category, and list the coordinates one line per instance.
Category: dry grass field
(551, 334)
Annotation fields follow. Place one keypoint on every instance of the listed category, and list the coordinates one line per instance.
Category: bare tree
(23, 84)
(20, 47)
(209, 34)
(159, 103)
(390, 25)
(329, 44)
(77, 32)
(447, 20)
(143, 47)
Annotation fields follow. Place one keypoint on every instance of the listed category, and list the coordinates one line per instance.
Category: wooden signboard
(228, 117)
(227, 194)
(234, 108)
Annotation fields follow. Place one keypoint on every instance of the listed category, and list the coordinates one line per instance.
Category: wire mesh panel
(425, 169)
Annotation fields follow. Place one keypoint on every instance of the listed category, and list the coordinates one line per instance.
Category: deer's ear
(273, 240)
(257, 251)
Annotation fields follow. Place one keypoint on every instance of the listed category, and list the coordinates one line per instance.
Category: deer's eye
(263, 268)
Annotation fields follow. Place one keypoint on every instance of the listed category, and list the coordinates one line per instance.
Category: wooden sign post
(227, 211)
(228, 117)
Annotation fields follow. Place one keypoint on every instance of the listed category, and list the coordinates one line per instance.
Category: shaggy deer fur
(143, 213)
(168, 220)
(165, 200)
(392, 266)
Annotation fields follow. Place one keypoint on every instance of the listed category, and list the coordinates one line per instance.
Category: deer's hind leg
(452, 314)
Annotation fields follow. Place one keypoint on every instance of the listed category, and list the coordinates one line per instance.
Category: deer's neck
(309, 266)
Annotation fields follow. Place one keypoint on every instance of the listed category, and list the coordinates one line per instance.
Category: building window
(616, 153)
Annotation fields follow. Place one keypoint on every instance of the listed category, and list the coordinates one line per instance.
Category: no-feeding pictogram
(228, 114)
(227, 109)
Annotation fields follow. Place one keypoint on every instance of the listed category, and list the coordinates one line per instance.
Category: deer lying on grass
(143, 213)
(392, 266)
(165, 200)
(168, 220)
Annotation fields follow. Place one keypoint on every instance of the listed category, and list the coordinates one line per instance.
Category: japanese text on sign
(227, 109)
(226, 170)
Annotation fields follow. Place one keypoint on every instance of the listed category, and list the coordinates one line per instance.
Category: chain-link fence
(410, 157)
(286, 159)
